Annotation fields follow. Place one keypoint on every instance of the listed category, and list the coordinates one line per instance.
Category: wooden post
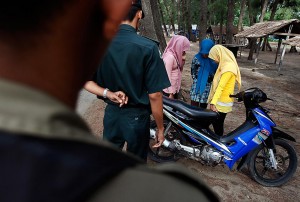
(252, 46)
(278, 49)
(257, 50)
(284, 48)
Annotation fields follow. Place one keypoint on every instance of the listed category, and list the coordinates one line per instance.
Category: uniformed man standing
(132, 65)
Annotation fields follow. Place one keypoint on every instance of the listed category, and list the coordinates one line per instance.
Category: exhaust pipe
(152, 133)
(175, 145)
(166, 142)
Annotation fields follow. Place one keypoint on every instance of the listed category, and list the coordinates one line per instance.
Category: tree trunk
(192, 37)
(261, 19)
(178, 14)
(230, 18)
(252, 41)
(162, 18)
(151, 25)
(242, 13)
(252, 46)
(273, 10)
(170, 12)
(203, 20)
(263, 10)
(172, 18)
(251, 17)
(221, 28)
(185, 16)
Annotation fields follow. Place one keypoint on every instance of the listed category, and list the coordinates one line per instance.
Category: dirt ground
(284, 88)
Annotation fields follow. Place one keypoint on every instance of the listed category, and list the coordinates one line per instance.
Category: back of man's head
(136, 6)
(56, 44)
(27, 16)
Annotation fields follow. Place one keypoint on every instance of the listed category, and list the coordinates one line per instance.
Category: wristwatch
(105, 92)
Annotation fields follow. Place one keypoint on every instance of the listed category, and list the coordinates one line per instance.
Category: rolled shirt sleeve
(156, 75)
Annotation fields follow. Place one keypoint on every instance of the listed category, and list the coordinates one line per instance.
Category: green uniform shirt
(133, 65)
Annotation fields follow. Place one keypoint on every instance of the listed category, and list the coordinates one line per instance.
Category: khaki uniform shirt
(28, 112)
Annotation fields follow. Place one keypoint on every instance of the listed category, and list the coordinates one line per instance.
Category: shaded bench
(233, 48)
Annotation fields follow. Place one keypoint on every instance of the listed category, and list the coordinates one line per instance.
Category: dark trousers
(218, 125)
(198, 104)
(130, 125)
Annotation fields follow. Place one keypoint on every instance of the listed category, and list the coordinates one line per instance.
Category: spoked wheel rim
(261, 169)
(263, 165)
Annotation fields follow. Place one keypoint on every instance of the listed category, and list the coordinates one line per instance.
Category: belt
(127, 106)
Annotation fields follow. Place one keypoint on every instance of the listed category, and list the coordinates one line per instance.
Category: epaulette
(155, 41)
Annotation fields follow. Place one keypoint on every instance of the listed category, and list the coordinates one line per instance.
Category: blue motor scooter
(258, 143)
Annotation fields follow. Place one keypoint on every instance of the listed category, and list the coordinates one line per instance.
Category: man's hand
(171, 96)
(213, 108)
(159, 138)
(117, 97)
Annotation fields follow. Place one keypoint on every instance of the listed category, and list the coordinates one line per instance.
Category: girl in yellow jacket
(226, 76)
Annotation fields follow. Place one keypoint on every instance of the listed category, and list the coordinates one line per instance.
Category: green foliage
(218, 11)
(284, 14)
(286, 9)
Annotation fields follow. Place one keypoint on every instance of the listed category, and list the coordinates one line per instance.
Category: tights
(219, 124)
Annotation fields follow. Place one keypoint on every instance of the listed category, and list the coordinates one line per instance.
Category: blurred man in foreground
(48, 49)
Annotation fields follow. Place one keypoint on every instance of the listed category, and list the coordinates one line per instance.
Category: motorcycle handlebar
(237, 96)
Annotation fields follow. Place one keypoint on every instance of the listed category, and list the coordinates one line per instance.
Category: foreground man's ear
(114, 11)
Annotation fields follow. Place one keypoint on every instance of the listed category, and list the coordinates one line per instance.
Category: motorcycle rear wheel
(260, 166)
(163, 154)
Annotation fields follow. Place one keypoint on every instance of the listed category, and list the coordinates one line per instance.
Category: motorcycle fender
(244, 161)
(278, 133)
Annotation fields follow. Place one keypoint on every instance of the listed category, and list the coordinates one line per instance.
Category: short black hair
(27, 15)
(132, 12)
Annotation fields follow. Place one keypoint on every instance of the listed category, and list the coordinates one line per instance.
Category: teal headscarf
(207, 65)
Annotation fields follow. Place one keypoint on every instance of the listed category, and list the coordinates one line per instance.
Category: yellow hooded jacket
(224, 80)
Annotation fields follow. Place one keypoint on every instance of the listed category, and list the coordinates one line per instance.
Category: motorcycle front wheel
(163, 154)
(260, 166)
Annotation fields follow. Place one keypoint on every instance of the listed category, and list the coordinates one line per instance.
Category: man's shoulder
(146, 42)
(151, 40)
(167, 182)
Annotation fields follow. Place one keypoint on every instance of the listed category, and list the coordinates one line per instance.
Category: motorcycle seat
(189, 110)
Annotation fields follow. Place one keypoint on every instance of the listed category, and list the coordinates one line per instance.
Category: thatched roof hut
(282, 28)
(269, 28)
(293, 41)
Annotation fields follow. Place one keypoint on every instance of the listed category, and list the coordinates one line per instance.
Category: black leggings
(219, 124)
